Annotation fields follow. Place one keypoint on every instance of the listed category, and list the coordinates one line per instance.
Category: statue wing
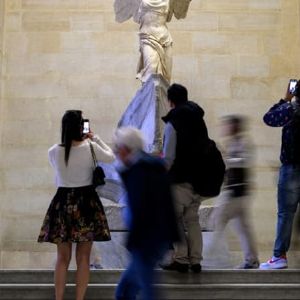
(178, 8)
(125, 9)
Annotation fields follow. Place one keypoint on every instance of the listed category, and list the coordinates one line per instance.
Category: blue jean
(288, 198)
(139, 275)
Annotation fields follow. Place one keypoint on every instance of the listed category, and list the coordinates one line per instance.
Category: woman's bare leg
(64, 254)
(83, 252)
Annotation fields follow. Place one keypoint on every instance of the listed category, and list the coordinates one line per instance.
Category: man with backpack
(187, 151)
(285, 114)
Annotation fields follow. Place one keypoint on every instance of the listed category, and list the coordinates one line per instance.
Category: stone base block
(110, 255)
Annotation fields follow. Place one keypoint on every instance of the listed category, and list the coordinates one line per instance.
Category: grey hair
(130, 137)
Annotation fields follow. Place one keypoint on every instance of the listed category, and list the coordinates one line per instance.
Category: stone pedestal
(28, 254)
(113, 254)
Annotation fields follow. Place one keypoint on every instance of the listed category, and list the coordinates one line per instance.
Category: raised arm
(281, 113)
(103, 152)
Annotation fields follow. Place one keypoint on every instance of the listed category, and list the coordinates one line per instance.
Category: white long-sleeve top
(80, 166)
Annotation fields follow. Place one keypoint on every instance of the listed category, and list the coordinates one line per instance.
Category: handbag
(98, 173)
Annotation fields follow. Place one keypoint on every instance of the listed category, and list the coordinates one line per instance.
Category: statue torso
(153, 18)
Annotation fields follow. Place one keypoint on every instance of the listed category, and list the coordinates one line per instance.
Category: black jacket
(192, 136)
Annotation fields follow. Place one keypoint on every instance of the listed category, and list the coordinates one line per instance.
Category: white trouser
(236, 209)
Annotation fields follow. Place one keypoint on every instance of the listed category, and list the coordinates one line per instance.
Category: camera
(86, 126)
(292, 86)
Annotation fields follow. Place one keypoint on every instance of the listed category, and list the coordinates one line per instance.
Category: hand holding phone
(292, 85)
(86, 126)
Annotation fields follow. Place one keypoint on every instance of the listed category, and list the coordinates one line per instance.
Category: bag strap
(93, 154)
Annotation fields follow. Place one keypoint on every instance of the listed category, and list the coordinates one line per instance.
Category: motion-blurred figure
(150, 215)
(234, 202)
(95, 261)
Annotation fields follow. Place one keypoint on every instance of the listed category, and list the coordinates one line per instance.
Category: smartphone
(86, 126)
(292, 86)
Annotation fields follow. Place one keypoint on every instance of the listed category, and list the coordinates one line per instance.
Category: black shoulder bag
(98, 173)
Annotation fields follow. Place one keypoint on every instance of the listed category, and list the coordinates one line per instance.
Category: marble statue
(154, 70)
(154, 36)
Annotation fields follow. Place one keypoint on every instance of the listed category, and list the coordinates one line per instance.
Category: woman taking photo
(75, 214)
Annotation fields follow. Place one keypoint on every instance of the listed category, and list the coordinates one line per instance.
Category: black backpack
(211, 171)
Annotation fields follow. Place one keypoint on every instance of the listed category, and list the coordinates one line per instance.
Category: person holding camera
(286, 114)
(75, 214)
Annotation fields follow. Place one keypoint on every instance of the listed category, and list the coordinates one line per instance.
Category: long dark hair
(71, 129)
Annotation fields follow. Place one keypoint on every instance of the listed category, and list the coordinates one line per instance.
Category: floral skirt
(75, 215)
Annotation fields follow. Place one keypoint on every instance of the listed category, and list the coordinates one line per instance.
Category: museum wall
(1, 105)
(234, 56)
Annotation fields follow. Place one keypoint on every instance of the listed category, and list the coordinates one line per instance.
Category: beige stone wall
(1, 105)
(233, 55)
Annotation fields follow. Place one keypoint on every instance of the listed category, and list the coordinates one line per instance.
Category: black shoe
(196, 268)
(176, 266)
